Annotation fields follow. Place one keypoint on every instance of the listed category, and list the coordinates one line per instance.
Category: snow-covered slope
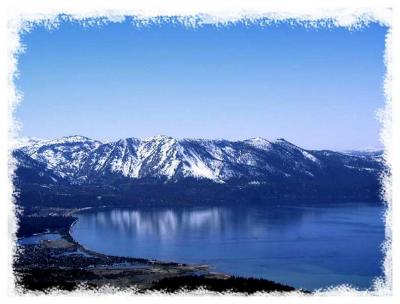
(217, 160)
(252, 161)
(64, 156)
(32, 171)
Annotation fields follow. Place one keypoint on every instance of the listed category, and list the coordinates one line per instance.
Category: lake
(305, 246)
(37, 238)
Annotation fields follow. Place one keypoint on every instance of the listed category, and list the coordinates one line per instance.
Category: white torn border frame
(24, 15)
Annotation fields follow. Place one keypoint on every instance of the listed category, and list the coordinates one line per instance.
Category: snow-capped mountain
(78, 159)
(25, 141)
(33, 171)
(64, 156)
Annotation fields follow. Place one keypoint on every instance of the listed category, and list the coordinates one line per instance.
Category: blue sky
(318, 88)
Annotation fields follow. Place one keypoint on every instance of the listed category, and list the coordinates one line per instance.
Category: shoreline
(151, 261)
(66, 264)
(138, 259)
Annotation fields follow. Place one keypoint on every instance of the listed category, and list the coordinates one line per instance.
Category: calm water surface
(304, 246)
(36, 239)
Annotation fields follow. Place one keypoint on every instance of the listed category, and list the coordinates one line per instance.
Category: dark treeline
(41, 224)
(232, 284)
(31, 196)
(40, 280)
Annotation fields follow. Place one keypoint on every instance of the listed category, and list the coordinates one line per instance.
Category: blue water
(304, 246)
(36, 239)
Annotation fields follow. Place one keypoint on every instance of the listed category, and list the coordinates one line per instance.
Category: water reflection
(304, 246)
(166, 224)
(163, 224)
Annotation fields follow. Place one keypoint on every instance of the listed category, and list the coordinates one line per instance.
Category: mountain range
(255, 162)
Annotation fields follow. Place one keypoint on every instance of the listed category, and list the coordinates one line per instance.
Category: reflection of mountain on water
(304, 246)
(166, 223)
(163, 223)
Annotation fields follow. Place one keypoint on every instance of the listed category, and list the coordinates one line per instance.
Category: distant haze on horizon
(317, 88)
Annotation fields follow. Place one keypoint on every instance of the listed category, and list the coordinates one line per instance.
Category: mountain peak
(284, 142)
(259, 142)
(257, 139)
(159, 137)
(21, 142)
(128, 140)
(163, 157)
(69, 139)
(75, 138)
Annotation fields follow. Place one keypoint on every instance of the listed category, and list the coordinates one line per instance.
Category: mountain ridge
(77, 171)
(81, 159)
